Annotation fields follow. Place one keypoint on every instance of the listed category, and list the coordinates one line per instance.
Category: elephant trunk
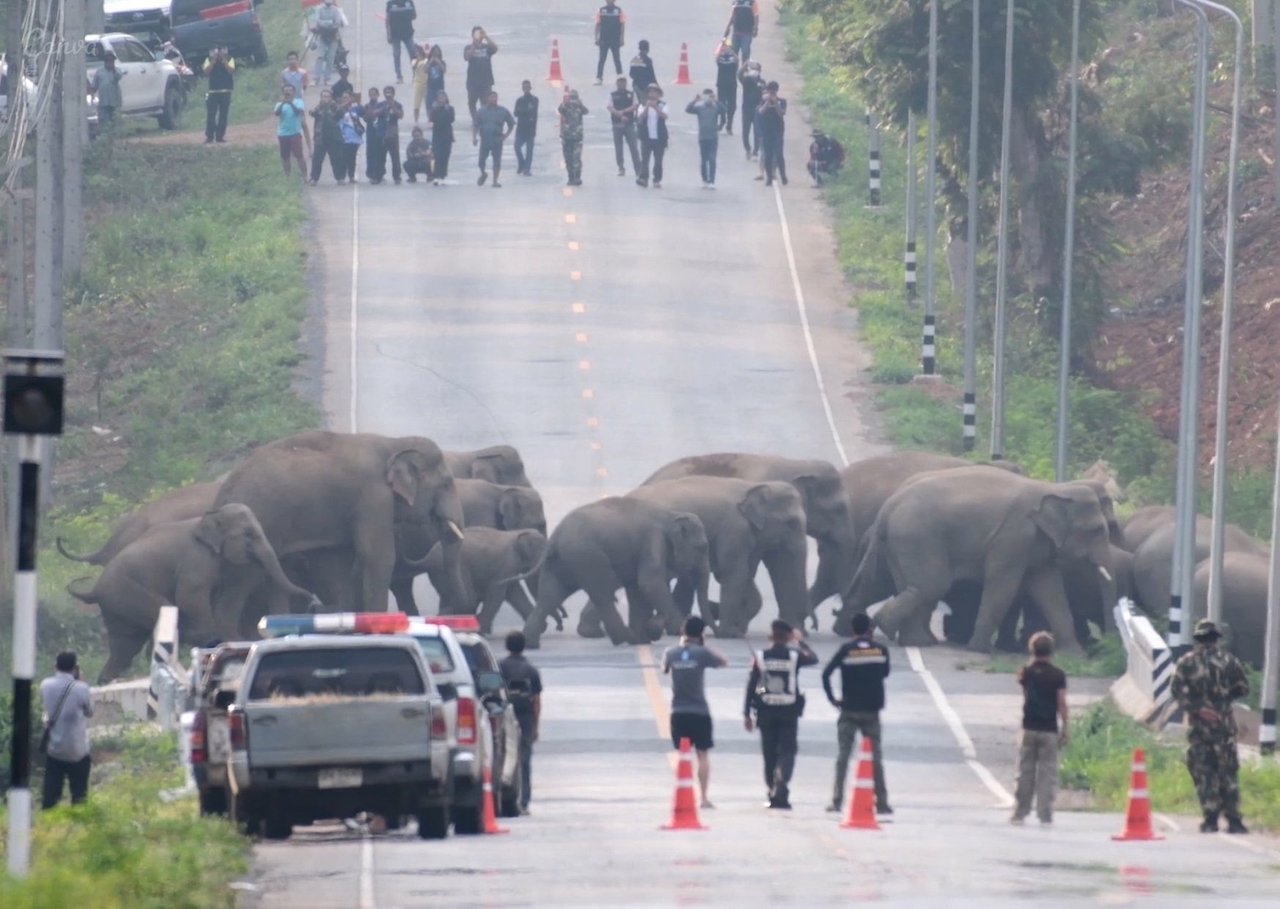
(93, 558)
(88, 596)
(705, 607)
(266, 557)
(455, 598)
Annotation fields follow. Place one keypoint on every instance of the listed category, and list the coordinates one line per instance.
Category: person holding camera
(653, 138)
(399, 18)
(709, 112)
(611, 30)
(479, 56)
(863, 666)
(220, 70)
(773, 130)
(68, 702)
(327, 28)
(687, 663)
(773, 693)
(292, 131)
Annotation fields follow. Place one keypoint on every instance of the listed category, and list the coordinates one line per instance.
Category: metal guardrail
(1143, 691)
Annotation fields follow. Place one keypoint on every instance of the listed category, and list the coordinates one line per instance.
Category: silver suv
(151, 85)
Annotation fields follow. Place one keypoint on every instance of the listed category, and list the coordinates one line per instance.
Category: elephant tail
(77, 589)
(531, 572)
(93, 558)
(872, 582)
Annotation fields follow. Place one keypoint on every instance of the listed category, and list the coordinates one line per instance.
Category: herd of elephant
(323, 521)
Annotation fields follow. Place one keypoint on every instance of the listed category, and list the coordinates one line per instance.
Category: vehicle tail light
(227, 9)
(239, 731)
(466, 721)
(439, 728)
(257, 26)
(199, 728)
(455, 622)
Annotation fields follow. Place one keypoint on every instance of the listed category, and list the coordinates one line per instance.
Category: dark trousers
(617, 60)
(778, 744)
(491, 148)
(651, 153)
(524, 151)
(707, 148)
(626, 133)
(391, 149)
(216, 105)
(418, 167)
(347, 170)
(526, 762)
(375, 157)
(290, 149)
(774, 162)
(475, 97)
(335, 151)
(442, 151)
(750, 128)
(396, 44)
(56, 772)
(730, 102)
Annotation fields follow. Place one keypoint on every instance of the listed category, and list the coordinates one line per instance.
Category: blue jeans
(524, 151)
(526, 763)
(396, 44)
(742, 46)
(708, 148)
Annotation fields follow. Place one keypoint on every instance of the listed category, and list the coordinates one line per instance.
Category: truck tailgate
(357, 730)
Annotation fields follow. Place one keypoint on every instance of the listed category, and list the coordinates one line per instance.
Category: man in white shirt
(652, 119)
(67, 704)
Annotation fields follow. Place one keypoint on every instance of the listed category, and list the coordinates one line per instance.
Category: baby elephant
(491, 559)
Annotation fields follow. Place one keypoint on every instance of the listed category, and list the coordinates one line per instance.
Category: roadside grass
(1104, 660)
(1098, 759)
(125, 848)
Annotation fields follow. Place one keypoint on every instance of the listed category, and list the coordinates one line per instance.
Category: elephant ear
(487, 467)
(529, 546)
(211, 531)
(1053, 517)
(403, 475)
(756, 506)
(509, 509)
(683, 531)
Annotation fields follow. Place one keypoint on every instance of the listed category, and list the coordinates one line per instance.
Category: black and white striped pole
(909, 258)
(873, 153)
(33, 387)
(1271, 657)
(927, 348)
(970, 428)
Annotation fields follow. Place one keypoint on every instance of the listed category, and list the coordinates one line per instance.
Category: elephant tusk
(1106, 574)
(456, 530)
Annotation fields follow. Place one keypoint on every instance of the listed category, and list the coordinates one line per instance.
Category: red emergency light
(455, 622)
(275, 626)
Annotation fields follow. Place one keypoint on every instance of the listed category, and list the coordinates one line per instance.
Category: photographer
(653, 138)
(68, 702)
(709, 112)
(611, 30)
(291, 131)
(479, 56)
(773, 692)
(220, 70)
(329, 21)
(105, 86)
(773, 128)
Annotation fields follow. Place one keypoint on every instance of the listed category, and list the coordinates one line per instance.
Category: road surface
(604, 331)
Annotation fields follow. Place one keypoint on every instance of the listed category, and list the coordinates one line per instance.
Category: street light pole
(1271, 655)
(971, 242)
(1002, 256)
(1068, 256)
(909, 257)
(928, 350)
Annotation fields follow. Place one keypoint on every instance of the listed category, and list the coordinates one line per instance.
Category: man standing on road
(220, 70)
(708, 111)
(393, 111)
(727, 84)
(479, 56)
(490, 129)
(526, 113)
(375, 154)
(571, 113)
(653, 138)
(328, 31)
(294, 75)
(342, 87)
(622, 111)
(1044, 701)
(744, 26)
(399, 17)
(611, 30)
(105, 86)
(690, 716)
(863, 665)
(752, 94)
(642, 74)
(328, 134)
(68, 702)
(524, 687)
(773, 131)
(1205, 682)
(773, 692)
(291, 130)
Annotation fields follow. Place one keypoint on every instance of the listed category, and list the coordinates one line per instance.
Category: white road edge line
(366, 872)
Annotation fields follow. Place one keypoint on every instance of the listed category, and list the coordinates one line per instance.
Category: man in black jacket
(773, 692)
(220, 70)
(611, 31)
(399, 19)
(863, 665)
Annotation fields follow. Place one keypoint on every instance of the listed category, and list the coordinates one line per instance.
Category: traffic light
(33, 393)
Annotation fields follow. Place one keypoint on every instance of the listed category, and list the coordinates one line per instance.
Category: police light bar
(278, 626)
(456, 622)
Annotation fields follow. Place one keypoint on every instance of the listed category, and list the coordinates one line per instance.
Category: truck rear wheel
(433, 823)
(171, 116)
(277, 827)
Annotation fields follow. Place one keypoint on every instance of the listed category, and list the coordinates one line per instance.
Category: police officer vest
(610, 20)
(622, 99)
(744, 21)
(779, 683)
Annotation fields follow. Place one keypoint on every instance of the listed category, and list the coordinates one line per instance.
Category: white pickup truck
(151, 86)
(327, 726)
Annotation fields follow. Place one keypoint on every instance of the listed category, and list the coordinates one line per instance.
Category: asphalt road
(605, 330)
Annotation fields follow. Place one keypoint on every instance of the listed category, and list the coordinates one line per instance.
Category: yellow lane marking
(570, 219)
(595, 446)
(652, 685)
(602, 471)
(584, 364)
(588, 393)
(579, 307)
(593, 421)
(581, 337)
(567, 191)
(575, 276)
(573, 245)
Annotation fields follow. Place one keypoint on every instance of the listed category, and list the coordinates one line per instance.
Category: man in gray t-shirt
(68, 703)
(490, 129)
(686, 663)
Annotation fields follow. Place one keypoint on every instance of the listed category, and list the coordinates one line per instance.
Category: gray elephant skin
(622, 544)
(500, 464)
(318, 491)
(1153, 560)
(175, 505)
(826, 506)
(209, 567)
(1006, 532)
(490, 559)
(747, 524)
(1244, 602)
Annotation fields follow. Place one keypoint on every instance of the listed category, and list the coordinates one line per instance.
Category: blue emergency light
(279, 626)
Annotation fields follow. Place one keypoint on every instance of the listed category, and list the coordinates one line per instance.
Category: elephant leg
(1045, 588)
(605, 602)
(904, 610)
(123, 646)
(643, 622)
(492, 604)
(999, 589)
(589, 625)
(552, 592)
(734, 597)
(916, 632)
(826, 583)
(1007, 639)
(520, 602)
(402, 590)
(659, 599)
(753, 602)
(682, 597)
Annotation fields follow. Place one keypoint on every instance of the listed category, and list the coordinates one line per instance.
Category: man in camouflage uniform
(571, 113)
(1205, 682)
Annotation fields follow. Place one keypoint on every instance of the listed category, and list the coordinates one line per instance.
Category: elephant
(175, 505)
(490, 558)
(500, 464)
(826, 507)
(1007, 532)
(1153, 560)
(1244, 602)
(1144, 522)
(209, 567)
(622, 543)
(746, 523)
(346, 492)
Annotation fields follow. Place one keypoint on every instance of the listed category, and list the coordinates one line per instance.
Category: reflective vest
(744, 17)
(779, 680)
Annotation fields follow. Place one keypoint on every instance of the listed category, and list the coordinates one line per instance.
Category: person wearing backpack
(68, 702)
(744, 25)
(773, 694)
(328, 31)
(524, 688)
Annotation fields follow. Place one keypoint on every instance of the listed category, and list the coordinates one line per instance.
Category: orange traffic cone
(490, 815)
(1137, 822)
(682, 74)
(862, 795)
(554, 75)
(684, 813)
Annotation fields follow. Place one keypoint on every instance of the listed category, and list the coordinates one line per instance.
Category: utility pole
(1068, 259)
(75, 133)
(873, 157)
(1271, 654)
(1002, 255)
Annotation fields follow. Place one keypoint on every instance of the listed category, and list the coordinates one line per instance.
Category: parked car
(146, 20)
(215, 681)
(150, 87)
(327, 726)
(201, 25)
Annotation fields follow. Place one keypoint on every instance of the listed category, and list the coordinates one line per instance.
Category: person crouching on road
(524, 686)
(773, 692)
(709, 112)
(863, 665)
(1044, 702)
(490, 129)
(571, 113)
(417, 161)
(687, 663)
(1205, 682)
(68, 702)
(291, 130)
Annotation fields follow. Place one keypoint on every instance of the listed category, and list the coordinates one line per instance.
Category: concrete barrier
(1143, 691)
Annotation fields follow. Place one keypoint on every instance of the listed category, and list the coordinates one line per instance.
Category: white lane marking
(804, 324)
(366, 873)
(953, 721)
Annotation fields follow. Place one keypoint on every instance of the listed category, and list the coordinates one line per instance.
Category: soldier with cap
(773, 693)
(1205, 682)
(571, 113)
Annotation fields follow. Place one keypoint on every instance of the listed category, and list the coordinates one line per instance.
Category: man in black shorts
(690, 715)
